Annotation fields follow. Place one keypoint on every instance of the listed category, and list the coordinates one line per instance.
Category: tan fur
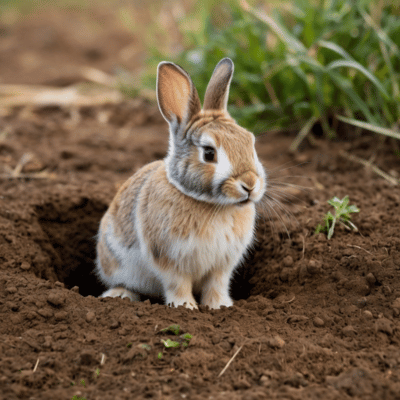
(108, 261)
(242, 218)
(123, 202)
(210, 295)
(183, 290)
(203, 118)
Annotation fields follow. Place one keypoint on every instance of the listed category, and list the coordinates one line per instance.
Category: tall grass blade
(292, 43)
(379, 31)
(365, 125)
(359, 67)
(335, 47)
(305, 130)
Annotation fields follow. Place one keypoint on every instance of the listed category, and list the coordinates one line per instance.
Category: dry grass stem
(290, 301)
(230, 361)
(36, 365)
(368, 164)
(304, 247)
(358, 247)
(21, 95)
(33, 175)
(97, 76)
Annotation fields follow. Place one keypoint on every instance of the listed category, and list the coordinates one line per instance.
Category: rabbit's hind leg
(121, 292)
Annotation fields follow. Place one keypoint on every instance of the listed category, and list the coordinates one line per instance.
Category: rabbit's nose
(246, 188)
(248, 181)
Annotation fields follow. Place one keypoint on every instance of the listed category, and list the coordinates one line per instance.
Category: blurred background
(300, 65)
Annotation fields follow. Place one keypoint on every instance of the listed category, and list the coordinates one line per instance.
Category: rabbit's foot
(215, 292)
(121, 292)
(189, 303)
(213, 299)
(179, 293)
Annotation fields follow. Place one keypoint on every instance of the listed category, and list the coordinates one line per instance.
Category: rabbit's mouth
(243, 202)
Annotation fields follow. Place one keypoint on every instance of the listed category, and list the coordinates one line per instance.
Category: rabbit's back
(119, 246)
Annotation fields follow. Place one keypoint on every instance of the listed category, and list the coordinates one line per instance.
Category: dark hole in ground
(71, 226)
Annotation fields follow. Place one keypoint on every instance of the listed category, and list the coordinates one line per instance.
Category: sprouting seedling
(186, 339)
(175, 329)
(186, 336)
(170, 343)
(160, 355)
(83, 382)
(97, 372)
(183, 340)
(341, 216)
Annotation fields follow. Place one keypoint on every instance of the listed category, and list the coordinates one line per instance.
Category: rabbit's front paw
(179, 292)
(216, 300)
(121, 292)
(215, 292)
(188, 303)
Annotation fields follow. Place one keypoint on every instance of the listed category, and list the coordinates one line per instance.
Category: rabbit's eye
(209, 154)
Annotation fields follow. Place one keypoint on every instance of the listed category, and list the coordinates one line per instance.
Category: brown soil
(313, 318)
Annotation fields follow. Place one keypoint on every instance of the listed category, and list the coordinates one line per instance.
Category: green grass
(297, 64)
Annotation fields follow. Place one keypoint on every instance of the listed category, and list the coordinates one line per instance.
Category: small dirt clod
(318, 322)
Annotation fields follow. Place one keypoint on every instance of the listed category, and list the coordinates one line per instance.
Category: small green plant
(97, 372)
(341, 216)
(186, 336)
(129, 345)
(170, 343)
(75, 397)
(174, 328)
(183, 340)
(160, 355)
(83, 383)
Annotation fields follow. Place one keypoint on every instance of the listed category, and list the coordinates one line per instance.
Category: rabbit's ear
(216, 97)
(177, 97)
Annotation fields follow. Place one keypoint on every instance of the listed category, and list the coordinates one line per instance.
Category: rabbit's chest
(221, 247)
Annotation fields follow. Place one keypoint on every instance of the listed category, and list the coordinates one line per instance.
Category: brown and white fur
(181, 225)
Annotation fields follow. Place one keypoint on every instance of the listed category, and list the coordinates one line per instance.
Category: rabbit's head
(210, 157)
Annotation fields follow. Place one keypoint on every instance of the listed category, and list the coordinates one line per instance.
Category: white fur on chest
(223, 250)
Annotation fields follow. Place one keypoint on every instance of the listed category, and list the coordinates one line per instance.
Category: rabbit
(180, 226)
